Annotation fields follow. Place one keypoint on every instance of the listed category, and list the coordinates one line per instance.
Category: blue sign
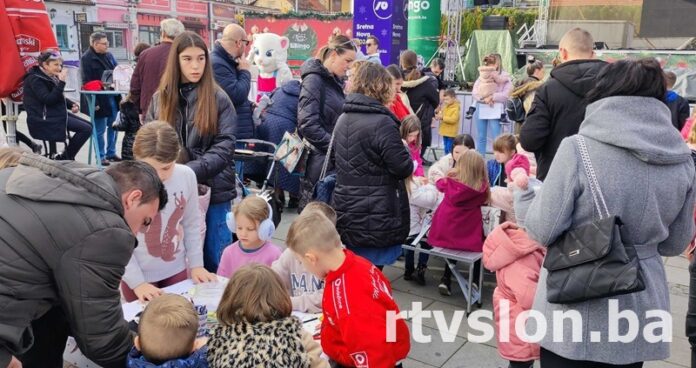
(384, 19)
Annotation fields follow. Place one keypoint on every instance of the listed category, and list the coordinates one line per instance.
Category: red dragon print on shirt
(163, 245)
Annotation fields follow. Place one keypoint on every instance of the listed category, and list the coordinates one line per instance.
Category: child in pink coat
(457, 222)
(516, 260)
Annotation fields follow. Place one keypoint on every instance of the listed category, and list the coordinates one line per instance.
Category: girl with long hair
(458, 222)
(205, 121)
(423, 95)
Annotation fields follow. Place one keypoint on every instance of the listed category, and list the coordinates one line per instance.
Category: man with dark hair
(437, 69)
(678, 105)
(559, 105)
(372, 50)
(94, 62)
(67, 231)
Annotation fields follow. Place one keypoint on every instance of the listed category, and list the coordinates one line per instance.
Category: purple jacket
(147, 74)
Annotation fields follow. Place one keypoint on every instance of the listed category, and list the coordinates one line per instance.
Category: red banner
(25, 31)
(306, 36)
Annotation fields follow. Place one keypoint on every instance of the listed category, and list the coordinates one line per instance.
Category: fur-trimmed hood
(276, 344)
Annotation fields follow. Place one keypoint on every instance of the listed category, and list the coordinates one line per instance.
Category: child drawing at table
(252, 221)
(167, 336)
(256, 328)
(306, 290)
(173, 236)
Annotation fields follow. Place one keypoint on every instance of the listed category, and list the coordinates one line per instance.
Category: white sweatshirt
(173, 236)
(306, 290)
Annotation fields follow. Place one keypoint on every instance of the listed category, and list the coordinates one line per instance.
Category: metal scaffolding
(452, 40)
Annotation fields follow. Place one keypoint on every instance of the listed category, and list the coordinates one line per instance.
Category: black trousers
(551, 360)
(691, 313)
(51, 332)
(81, 130)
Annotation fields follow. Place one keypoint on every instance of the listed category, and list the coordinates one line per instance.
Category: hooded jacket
(47, 114)
(458, 222)
(646, 175)
(557, 110)
(63, 244)
(282, 343)
(197, 359)
(424, 98)
(516, 261)
(210, 157)
(372, 162)
(315, 122)
(237, 84)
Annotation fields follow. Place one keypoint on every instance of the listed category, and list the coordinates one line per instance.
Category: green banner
(424, 27)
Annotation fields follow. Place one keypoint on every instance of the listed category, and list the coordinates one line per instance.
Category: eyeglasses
(105, 43)
(369, 44)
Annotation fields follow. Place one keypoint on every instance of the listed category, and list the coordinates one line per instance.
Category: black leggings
(691, 313)
(516, 364)
(551, 360)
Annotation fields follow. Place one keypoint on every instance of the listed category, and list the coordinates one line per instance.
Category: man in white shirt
(372, 50)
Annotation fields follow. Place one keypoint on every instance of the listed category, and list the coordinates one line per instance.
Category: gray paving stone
(476, 355)
(437, 352)
(677, 275)
(405, 300)
(411, 363)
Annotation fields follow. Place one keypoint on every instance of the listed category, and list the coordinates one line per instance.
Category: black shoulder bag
(591, 261)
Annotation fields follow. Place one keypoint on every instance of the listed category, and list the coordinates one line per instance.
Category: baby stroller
(260, 154)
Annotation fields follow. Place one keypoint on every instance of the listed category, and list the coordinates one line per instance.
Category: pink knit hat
(517, 161)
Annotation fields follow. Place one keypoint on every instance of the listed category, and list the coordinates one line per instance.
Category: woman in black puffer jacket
(371, 164)
(321, 102)
(423, 94)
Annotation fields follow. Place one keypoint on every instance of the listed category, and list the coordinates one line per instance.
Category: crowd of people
(75, 240)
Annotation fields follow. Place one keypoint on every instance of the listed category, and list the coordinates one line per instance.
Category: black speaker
(495, 22)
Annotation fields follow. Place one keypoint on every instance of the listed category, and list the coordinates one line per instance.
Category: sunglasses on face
(369, 44)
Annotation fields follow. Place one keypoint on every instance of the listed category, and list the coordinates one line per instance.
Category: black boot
(408, 274)
(470, 113)
(420, 274)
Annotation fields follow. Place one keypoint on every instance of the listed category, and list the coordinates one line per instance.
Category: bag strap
(325, 166)
(597, 196)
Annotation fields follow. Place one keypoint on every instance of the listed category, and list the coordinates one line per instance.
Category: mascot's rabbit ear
(284, 42)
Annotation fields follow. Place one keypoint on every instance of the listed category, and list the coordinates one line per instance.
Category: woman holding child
(204, 119)
(371, 164)
(493, 86)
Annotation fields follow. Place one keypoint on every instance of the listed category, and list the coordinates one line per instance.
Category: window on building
(115, 37)
(62, 36)
(149, 34)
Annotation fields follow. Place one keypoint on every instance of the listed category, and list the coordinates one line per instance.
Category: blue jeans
(217, 236)
(111, 134)
(482, 126)
(103, 125)
(409, 256)
(449, 142)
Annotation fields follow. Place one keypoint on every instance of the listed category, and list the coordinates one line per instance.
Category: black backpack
(514, 108)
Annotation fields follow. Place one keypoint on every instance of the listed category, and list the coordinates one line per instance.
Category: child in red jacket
(457, 222)
(357, 298)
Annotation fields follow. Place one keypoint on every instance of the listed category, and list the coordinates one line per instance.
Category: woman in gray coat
(646, 174)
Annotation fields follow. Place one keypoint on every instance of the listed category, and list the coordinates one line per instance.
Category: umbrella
(25, 31)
